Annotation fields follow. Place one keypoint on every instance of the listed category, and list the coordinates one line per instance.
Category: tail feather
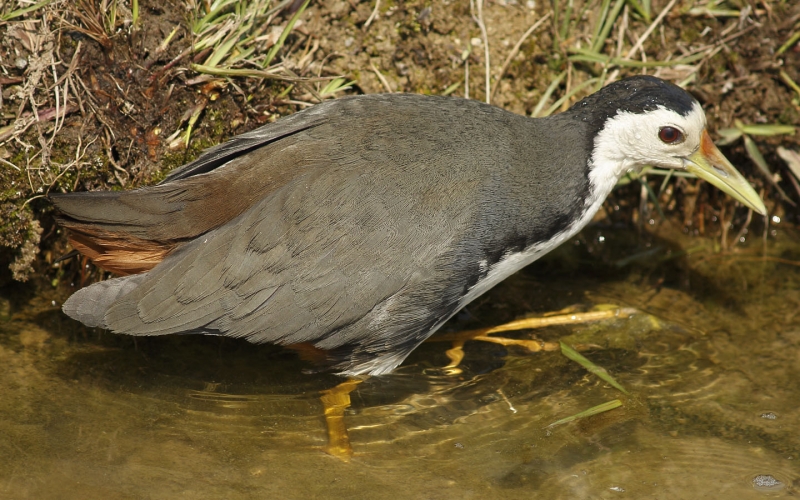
(89, 305)
(130, 232)
(122, 256)
(146, 213)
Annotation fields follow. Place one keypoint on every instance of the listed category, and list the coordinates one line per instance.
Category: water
(711, 360)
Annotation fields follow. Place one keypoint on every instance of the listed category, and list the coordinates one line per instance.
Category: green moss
(689, 34)
(15, 225)
(173, 160)
(789, 114)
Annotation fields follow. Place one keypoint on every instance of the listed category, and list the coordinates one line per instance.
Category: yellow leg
(456, 353)
(336, 401)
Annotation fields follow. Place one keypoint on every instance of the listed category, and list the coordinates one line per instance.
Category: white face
(629, 141)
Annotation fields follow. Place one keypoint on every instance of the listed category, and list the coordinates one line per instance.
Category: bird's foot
(456, 353)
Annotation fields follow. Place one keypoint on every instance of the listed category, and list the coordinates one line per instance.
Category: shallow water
(711, 360)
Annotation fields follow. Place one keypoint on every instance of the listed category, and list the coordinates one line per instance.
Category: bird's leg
(456, 353)
(335, 401)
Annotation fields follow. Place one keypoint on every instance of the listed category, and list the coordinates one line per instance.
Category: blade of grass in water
(602, 408)
(593, 368)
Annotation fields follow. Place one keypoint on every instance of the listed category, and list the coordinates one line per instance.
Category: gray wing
(250, 141)
(319, 262)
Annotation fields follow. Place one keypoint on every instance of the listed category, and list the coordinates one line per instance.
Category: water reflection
(711, 360)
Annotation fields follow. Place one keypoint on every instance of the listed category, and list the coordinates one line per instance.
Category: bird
(360, 225)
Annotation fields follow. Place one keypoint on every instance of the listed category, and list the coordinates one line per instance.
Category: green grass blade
(242, 54)
(135, 13)
(639, 8)
(598, 27)
(729, 136)
(583, 55)
(221, 52)
(552, 109)
(547, 93)
(792, 159)
(566, 19)
(211, 17)
(24, 10)
(285, 33)
(711, 13)
(254, 73)
(591, 367)
(789, 43)
(768, 130)
(336, 85)
(602, 408)
(452, 88)
(791, 83)
(665, 182)
(648, 7)
(755, 154)
(597, 43)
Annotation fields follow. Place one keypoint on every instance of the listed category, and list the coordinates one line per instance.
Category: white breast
(603, 177)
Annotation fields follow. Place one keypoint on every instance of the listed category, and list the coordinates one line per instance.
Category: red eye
(670, 135)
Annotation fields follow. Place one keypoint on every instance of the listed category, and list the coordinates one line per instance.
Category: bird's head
(646, 121)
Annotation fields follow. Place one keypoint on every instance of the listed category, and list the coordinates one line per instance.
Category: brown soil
(126, 99)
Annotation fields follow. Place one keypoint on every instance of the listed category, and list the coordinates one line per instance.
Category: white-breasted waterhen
(362, 224)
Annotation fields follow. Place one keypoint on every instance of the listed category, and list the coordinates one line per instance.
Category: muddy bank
(96, 96)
